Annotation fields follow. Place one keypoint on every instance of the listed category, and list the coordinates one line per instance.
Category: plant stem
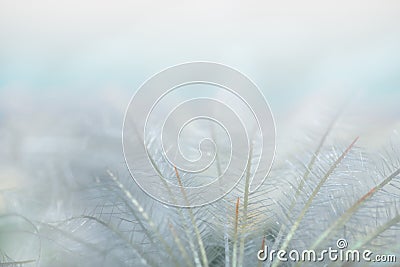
(245, 205)
(311, 198)
(348, 213)
(196, 229)
(235, 235)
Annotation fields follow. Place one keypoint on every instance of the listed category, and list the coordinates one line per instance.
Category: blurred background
(69, 68)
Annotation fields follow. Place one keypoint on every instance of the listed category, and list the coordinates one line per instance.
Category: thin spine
(145, 216)
(262, 248)
(311, 163)
(348, 213)
(311, 198)
(235, 235)
(185, 225)
(377, 232)
(309, 168)
(245, 205)
(180, 246)
(226, 234)
(196, 229)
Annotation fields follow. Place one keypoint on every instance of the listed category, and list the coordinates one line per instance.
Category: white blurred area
(69, 68)
(83, 43)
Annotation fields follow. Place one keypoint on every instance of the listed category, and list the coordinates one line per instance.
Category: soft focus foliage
(81, 207)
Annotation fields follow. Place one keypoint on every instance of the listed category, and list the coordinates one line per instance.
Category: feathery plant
(308, 202)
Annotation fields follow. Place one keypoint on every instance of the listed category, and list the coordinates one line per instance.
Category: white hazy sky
(58, 42)
(289, 48)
